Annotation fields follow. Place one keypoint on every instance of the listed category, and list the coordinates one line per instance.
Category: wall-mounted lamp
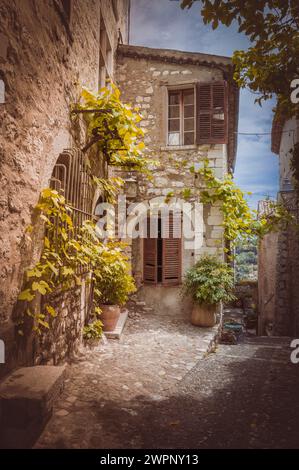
(131, 186)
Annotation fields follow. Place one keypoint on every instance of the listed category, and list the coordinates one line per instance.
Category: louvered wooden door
(150, 261)
(171, 255)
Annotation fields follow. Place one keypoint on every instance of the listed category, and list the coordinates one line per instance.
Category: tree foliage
(272, 62)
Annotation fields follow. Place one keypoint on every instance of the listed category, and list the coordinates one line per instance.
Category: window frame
(180, 88)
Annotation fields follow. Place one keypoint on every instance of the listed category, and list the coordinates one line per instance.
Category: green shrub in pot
(209, 282)
(113, 283)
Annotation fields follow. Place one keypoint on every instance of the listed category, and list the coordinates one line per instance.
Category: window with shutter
(162, 256)
(212, 110)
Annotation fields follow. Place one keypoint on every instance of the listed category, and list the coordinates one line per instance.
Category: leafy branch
(65, 255)
(272, 61)
(239, 221)
(113, 127)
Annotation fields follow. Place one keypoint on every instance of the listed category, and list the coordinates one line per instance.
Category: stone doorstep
(117, 332)
(27, 397)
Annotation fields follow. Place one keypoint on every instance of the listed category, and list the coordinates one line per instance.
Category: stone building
(279, 252)
(48, 50)
(189, 105)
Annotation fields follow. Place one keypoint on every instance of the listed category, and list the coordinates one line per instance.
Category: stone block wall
(46, 60)
(267, 273)
(287, 292)
(278, 283)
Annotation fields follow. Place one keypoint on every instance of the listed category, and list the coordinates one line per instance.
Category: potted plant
(209, 282)
(113, 284)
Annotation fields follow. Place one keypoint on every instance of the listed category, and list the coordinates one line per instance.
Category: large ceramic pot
(109, 316)
(204, 315)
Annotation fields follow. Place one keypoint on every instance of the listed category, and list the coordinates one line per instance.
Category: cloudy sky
(162, 23)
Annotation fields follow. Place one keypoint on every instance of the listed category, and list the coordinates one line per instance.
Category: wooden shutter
(212, 113)
(150, 258)
(172, 252)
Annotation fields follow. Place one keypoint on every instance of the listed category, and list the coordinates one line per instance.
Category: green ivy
(64, 256)
(113, 127)
(93, 330)
(239, 221)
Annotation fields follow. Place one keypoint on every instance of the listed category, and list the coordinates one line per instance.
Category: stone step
(27, 397)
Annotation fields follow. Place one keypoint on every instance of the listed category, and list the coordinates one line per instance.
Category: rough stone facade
(279, 253)
(267, 283)
(144, 76)
(49, 49)
(287, 275)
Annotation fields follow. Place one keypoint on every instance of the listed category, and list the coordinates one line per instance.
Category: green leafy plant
(209, 281)
(113, 127)
(239, 221)
(109, 187)
(93, 330)
(65, 255)
(113, 281)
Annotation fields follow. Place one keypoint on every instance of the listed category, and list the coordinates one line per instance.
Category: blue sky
(162, 24)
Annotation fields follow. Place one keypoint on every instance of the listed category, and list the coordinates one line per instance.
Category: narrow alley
(156, 389)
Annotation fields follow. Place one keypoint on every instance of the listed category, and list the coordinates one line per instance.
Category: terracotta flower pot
(204, 315)
(109, 316)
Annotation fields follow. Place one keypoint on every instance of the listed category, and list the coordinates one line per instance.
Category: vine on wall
(112, 127)
(64, 257)
(239, 221)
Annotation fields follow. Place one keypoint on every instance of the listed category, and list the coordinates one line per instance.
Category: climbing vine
(113, 128)
(109, 188)
(65, 255)
(239, 221)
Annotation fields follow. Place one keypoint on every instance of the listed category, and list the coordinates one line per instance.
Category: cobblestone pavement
(154, 389)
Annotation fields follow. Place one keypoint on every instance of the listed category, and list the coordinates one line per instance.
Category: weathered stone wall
(44, 61)
(279, 253)
(143, 82)
(287, 292)
(267, 263)
(278, 283)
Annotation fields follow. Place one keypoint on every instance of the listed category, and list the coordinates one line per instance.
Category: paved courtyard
(156, 388)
